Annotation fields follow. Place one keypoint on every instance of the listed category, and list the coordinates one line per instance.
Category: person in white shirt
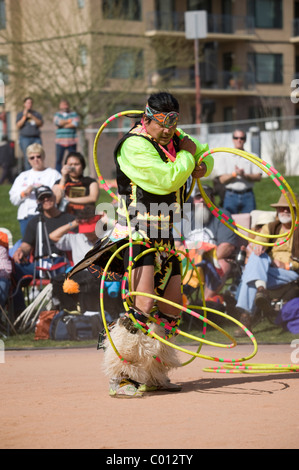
(22, 192)
(238, 175)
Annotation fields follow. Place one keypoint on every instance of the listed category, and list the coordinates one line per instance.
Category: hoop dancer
(153, 165)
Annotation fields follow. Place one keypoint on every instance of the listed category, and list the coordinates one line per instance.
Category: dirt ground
(58, 399)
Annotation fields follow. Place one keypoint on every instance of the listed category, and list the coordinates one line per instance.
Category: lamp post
(196, 28)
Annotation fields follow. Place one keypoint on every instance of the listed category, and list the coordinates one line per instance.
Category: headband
(164, 119)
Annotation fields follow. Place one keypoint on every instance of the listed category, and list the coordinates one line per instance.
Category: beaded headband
(164, 119)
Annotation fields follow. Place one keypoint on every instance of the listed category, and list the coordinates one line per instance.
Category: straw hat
(282, 202)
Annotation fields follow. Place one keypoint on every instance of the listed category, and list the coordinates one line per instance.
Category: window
(228, 114)
(266, 13)
(125, 62)
(2, 14)
(267, 68)
(194, 5)
(122, 10)
(268, 113)
(81, 3)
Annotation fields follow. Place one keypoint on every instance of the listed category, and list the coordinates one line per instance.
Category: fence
(278, 140)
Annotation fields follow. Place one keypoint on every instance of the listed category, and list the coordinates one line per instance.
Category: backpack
(42, 327)
(288, 316)
(75, 327)
(88, 299)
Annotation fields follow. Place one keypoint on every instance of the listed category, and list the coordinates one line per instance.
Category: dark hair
(77, 155)
(27, 98)
(240, 130)
(164, 102)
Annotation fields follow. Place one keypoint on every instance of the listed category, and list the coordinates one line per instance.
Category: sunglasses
(167, 120)
(43, 198)
(239, 138)
(35, 156)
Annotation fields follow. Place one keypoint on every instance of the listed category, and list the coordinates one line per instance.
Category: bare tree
(57, 50)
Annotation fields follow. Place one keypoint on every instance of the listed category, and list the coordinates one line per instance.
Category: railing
(217, 24)
(236, 80)
(184, 78)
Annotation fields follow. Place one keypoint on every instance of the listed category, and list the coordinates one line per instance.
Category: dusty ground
(54, 399)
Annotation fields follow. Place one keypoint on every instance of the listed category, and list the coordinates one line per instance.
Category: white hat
(262, 217)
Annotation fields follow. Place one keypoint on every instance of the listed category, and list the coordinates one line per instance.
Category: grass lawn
(266, 192)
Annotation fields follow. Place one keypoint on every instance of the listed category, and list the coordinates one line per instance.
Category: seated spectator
(74, 190)
(211, 235)
(52, 218)
(5, 269)
(268, 267)
(78, 243)
(22, 192)
(7, 159)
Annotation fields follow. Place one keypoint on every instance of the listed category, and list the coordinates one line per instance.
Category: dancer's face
(161, 134)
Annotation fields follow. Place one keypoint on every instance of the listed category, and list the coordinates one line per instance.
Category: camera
(63, 204)
(241, 257)
(71, 168)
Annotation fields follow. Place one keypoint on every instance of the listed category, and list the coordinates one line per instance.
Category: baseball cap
(89, 225)
(43, 191)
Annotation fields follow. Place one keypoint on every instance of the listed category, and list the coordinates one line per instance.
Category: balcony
(212, 82)
(220, 27)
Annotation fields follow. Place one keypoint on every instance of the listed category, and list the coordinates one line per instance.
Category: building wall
(23, 24)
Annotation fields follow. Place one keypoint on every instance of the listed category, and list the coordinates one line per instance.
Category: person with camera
(22, 193)
(73, 190)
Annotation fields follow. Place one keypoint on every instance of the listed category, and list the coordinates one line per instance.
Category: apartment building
(126, 49)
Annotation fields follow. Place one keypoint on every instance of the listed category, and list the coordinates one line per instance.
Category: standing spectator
(22, 192)
(7, 159)
(29, 123)
(74, 190)
(238, 175)
(66, 122)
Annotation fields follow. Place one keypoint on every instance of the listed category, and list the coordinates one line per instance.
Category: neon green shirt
(140, 161)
